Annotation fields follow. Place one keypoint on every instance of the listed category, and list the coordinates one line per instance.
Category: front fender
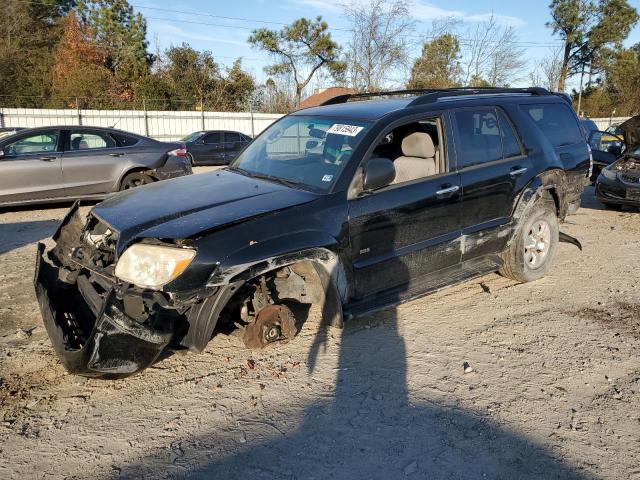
(261, 257)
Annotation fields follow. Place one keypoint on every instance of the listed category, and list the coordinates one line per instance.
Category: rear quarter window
(124, 140)
(556, 121)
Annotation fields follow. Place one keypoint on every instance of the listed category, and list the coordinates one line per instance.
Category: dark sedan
(59, 163)
(214, 147)
(619, 183)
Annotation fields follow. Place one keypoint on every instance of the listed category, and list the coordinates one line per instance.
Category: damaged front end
(98, 327)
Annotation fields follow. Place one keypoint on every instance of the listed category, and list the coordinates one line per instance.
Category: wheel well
(556, 199)
(301, 283)
(144, 170)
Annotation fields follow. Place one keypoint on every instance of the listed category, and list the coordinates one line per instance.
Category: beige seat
(418, 160)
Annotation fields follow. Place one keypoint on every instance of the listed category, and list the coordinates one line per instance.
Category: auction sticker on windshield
(349, 130)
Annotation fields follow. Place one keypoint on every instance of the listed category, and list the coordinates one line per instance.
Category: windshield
(191, 137)
(303, 150)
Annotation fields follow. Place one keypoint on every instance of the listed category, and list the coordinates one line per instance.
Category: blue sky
(226, 37)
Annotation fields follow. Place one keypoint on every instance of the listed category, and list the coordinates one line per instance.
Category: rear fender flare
(552, 181)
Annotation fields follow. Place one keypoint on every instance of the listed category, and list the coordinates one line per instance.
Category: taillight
(178, 152)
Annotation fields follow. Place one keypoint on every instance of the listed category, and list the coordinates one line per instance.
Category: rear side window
(556, 121)
(479, 136)
(510, 142)
(124, 140)
(231, 137)
(90, 140)
(214, 137)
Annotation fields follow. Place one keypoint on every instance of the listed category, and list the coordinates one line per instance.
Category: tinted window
(479, 136)
(245, 138)
(124, 140)
(557, 122)
(90, 140)
(510, 143)
(231, 137)
(214, 137)
(40, 143)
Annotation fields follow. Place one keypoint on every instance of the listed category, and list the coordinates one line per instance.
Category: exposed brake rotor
(274, 323)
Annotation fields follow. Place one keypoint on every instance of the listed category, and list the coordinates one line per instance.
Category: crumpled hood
(631, 130)
(187, 206)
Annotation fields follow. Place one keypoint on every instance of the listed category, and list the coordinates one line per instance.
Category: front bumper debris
(109, 344)
(617, 192)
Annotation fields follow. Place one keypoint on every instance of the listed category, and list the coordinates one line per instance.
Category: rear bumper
(93, 339)
(174, 167)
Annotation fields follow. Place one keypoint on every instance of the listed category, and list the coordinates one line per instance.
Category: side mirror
(378, 173)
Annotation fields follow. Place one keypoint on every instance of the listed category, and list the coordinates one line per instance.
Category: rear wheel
(135, 179)
(531, 252)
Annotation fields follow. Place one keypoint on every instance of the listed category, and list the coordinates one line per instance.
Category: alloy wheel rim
(537, 244)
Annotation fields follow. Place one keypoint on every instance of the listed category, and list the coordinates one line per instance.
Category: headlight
(608, 173)
(152, 266)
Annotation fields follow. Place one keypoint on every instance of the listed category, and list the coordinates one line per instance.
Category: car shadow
(589, 199)
(18, 234)
(370, 428)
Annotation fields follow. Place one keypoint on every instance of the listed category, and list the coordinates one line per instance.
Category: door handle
(116, 154)
(47, 159)
(447, 191)
(517, 171)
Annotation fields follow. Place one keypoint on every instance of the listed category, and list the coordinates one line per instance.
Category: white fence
(604, 123)
(161, 125)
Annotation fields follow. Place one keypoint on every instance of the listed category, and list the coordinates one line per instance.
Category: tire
(190, 158)
(531, 252)
(135, 179)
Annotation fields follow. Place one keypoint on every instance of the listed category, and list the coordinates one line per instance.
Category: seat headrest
(418, 144)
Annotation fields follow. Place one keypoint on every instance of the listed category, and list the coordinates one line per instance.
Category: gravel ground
(552, 389)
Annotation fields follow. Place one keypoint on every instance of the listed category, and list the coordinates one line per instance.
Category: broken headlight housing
(152, 266)
(608, 173)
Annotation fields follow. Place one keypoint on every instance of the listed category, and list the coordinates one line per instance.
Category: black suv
(364, 202)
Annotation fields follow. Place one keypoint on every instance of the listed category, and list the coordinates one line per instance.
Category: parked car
(214, 147)
(58, 163)
(606, 148)
(6, 131)
(619, 183)
(589, 126)
(387, 200)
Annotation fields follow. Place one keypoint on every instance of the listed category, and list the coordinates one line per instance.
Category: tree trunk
(564, 71)
(298, 95)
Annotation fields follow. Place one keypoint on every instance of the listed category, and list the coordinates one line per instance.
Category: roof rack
(430, 95)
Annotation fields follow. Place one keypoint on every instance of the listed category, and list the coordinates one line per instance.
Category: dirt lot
(554, 390)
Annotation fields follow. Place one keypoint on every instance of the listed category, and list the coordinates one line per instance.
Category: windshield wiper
(264, 176)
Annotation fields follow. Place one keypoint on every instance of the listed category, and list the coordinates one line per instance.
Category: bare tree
(491, 54)
(379, 43)
(548, 72)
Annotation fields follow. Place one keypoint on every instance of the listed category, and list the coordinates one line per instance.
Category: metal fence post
(202, 113)
(253, 128)
(146, 118)
(78, 112)
(2, 117)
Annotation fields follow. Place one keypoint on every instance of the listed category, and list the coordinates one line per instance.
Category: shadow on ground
(18, 234)
(589, 201)
(370, 429)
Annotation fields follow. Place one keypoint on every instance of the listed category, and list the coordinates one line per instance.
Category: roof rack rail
(430, 95)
